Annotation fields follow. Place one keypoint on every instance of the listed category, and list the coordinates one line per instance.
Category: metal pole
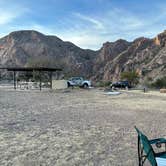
(33, 76)
(51, 80)
(14, 77)
(40, 79)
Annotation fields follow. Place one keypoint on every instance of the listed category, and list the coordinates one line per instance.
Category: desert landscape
(76, 77)
(76, 126)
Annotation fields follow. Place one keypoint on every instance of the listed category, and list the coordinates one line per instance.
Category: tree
(44, 61)
(160, 83)
(131, 76)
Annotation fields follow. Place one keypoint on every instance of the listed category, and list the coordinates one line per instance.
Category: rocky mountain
(146, 56)
(19, 47)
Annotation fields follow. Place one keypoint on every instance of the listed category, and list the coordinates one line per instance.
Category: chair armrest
(158, 140)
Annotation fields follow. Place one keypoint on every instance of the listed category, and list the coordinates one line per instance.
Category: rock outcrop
(18, 47)
(146, 56)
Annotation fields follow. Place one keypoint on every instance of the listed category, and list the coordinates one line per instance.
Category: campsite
(83, 83)
(77, 126)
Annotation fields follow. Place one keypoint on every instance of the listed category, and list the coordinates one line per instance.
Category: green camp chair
(145, 150)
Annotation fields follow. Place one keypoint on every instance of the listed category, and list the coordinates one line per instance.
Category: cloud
(86, 29)
(112, 25)
(10, 13)
(93, 31)
(6, 18)
(85, 41)
(90, 32)
(97, 24)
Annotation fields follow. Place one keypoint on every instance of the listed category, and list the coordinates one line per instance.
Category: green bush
(131, 76)
(103, 84)
(160, 83)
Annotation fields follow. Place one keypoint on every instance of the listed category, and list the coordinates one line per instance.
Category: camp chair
(145, 150)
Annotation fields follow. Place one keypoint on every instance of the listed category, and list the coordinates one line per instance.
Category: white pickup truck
(78, 81)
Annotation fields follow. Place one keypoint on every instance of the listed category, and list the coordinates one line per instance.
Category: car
(121, 84)
(78, 81)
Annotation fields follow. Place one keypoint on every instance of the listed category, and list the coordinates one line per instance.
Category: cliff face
(18, 47)
(107, 54)
(147, 56)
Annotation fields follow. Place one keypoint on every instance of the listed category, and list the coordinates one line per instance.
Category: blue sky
(86, 23)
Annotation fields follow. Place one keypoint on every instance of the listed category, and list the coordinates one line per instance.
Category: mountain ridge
(146, 56)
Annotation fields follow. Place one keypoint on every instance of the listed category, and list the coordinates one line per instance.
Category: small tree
(42, 61)
(132, 77)
(160, 83)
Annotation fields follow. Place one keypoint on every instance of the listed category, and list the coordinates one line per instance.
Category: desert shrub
(150, 79)
(103, 84)
(131, 76)
(147, 82)
(44, 61)
(160, 83)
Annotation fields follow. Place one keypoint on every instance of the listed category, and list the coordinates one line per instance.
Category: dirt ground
(77, 127)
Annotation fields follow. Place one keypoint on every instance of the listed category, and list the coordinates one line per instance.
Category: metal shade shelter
(32, 69)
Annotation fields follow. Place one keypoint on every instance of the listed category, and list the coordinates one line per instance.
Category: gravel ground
(76, 127)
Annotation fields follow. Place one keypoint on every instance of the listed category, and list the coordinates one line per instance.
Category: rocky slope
(147, 56)
(19, 47)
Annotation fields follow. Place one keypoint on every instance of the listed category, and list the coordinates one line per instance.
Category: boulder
(162, 90)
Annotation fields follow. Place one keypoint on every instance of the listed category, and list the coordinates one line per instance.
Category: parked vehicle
(121, 84)
(78, 81)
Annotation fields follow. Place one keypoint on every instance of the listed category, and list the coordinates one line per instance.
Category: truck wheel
(68, 85)
(85, 85)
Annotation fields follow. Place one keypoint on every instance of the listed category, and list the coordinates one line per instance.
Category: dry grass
(76, 127)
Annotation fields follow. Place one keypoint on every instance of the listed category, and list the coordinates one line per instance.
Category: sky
(86, 23)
